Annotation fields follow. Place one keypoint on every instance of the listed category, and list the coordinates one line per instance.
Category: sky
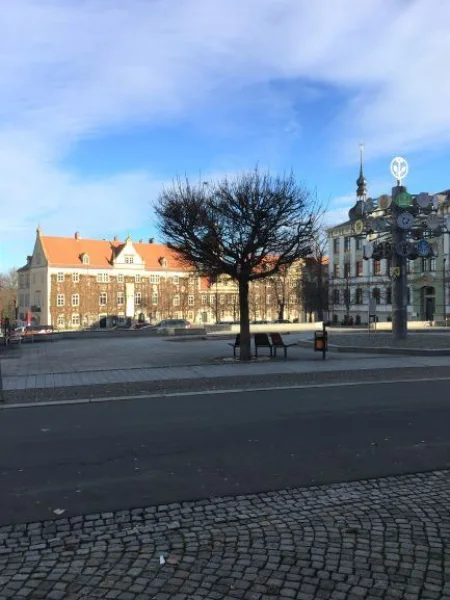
(104, 102)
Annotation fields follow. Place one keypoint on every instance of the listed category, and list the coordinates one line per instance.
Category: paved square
(387, 538)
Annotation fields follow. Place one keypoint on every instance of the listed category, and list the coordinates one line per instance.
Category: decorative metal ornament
(369, 205)
(403, 248)
(405, 220)
(435, 202)
(433, 221)
(423, 248)
(424, 200)
(399, 168)
(384, 202)
(358, 227)
(395, 273)
(404, 200)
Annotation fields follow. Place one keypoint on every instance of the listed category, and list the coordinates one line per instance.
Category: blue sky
(104, 102)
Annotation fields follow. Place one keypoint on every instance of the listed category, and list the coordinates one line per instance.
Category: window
(359, 296)
(138, 298)
(120, 278)
(176, 300)
(336, 298)
(103, 298)
(376, 268)
(336, 245)
(389, 295)
(336, 270)
(137, 279)
(85, 259)
(222, 299)
(359, 243)
(129, 259)
(60, 300)
(190, 300)
(163, 262)
(76, 300)
(176, 280)
(120, 298)
(433, 264)
(359, 268)
(204, 299)
(376, 295)
(212, 300)
(428, 264)
(346, 269)
(75, 320)
(154, 278)
(347, 244)
(60, 277)
(155, 299)
(75, 277)
(60, 321)
(102, 277)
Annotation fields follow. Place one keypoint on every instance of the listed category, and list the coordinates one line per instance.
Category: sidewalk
(300, 361)
(376, 539)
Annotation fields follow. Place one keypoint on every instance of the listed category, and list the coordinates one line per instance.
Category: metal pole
(444, 285)
(400, 283)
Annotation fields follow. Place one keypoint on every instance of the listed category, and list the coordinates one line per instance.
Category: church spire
(361, 183)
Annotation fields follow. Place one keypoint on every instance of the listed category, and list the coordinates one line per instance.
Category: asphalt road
(112, 456)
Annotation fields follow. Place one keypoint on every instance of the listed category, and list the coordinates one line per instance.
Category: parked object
(262, 341)
(321, 341)
(236, 344)
(277, 342)
(174, 323)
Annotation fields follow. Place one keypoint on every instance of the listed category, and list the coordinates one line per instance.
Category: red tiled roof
(68, 252)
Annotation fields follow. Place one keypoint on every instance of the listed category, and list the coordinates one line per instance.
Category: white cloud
(71, 70)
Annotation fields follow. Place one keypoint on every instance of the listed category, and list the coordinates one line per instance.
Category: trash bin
(320, 341)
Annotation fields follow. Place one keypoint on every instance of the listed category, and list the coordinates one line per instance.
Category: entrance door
(428, 303)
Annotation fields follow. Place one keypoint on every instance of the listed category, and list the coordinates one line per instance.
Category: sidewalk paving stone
(285, 544)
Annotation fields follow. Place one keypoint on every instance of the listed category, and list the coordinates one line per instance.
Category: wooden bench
(277, 342)
(262, 341)
(236, 344)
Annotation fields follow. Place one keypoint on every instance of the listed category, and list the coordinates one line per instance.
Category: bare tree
(9, 284)
(236, 226)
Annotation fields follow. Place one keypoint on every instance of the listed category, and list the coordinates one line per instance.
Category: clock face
(405, 220)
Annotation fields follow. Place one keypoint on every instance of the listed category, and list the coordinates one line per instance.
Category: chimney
(115, 238)
(77, 235)
(29, 260)
(151, 241)
(140, 241)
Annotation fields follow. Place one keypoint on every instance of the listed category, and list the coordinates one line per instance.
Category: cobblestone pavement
(386, 538)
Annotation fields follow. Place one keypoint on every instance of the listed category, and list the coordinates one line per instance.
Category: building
(359, 288)
(75, 283)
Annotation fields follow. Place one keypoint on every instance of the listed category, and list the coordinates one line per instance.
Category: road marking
(304, 386)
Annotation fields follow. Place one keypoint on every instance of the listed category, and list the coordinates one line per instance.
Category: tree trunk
(245, 349)
(281, 311)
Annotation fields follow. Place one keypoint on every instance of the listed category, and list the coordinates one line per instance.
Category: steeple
(361, 183)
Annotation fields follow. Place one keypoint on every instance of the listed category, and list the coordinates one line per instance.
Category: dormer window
(163, 262)
(85, 259)
(129, 259)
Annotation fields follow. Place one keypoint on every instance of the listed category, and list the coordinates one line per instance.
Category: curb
(382, 350)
